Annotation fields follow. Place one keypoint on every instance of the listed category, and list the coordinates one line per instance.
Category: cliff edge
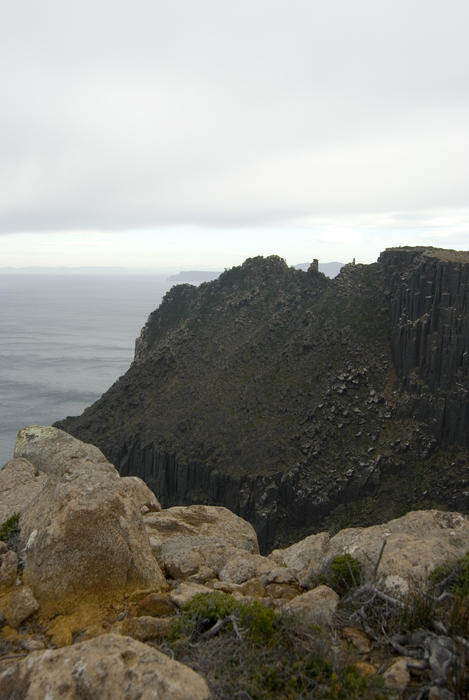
(299, 401)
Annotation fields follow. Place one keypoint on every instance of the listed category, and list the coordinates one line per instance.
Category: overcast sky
(195, 133)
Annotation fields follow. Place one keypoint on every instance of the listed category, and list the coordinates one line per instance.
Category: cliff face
(298, 401)
(429, 292)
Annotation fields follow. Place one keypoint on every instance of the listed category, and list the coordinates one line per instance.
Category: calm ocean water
(64, 340)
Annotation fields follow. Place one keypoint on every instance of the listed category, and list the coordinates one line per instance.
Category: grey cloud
(123, 115)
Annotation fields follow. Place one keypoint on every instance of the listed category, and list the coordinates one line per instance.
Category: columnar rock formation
(429, 292)
(294, 399)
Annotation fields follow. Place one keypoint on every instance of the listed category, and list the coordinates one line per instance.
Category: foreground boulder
(413, 545)
(48, 449)
(83, 534)
(109, 667)
(20, 483)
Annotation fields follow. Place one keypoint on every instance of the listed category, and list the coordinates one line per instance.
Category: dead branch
(380, 555)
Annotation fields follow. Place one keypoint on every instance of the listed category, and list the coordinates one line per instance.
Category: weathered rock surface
(187, 556)
(155, 605)
(196, 520)
(110, 667)
(397, 676)
(145, 627)
(141, 494)
(308, 553)
(49, 449)
(316, 606)
(345, 390)
(414, 545)
(20, 483)
(83, 533)
(184, 592)
(17, 605)
(241, 567)
(8, 569)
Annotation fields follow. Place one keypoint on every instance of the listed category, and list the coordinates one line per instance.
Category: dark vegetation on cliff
(300, 402)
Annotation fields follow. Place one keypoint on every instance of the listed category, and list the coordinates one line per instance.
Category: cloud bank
(124, 115)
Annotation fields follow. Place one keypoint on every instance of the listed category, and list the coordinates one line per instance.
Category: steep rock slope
(296, 400)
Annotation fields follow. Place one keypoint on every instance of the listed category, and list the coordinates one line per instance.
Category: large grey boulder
(197, 520)
(20, 483)
(109, 667)
(414, 545)
(48, 449)
(83, 535)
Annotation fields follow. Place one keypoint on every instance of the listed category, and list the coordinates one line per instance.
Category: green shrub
(262, 655)
(10, 528)
(462, 584)
(206, 609)
(452, 576)
(257, 620)
(419, 608)
(343, 573)
(210, 607)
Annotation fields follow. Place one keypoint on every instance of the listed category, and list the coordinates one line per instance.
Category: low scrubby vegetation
(429, 623)
(343, 573)
(9, 530)
(246, 650)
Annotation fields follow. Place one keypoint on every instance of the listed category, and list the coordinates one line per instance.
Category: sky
(197, 133)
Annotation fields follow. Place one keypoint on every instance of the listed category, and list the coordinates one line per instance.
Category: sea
(64, 340)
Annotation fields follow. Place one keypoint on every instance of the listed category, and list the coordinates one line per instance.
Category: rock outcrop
(293, 399)
(97, 569)
(413, 546)
(429, 294)
(84, 531)
(108, 667)
(206, 521)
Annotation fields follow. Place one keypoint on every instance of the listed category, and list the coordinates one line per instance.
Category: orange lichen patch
(140, 594)
(87, 617)
(9, 634)
(358, 638)
(107, 598)
(364, 668)
(78, 618)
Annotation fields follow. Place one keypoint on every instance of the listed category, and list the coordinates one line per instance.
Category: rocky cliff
(429, 292)
(299, 401)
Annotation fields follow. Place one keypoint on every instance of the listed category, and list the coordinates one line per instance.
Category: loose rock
(316, 606)
(18, 605)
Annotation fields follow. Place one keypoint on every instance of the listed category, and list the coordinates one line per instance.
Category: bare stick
(216, 628)
(234, 622)
(375, 570)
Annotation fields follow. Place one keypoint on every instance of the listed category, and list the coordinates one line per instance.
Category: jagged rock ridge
(296, 400)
